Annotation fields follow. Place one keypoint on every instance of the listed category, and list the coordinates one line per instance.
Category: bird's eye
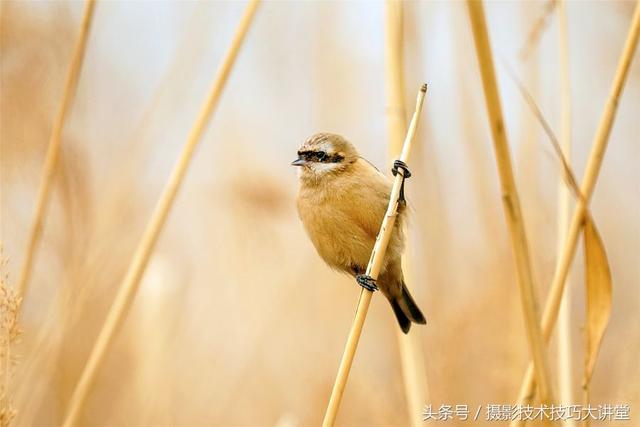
(322, 156)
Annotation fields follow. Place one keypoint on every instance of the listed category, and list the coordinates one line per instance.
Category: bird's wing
(384, 184)
(370, 198)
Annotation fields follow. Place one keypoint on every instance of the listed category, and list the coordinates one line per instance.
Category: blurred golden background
(237, 321)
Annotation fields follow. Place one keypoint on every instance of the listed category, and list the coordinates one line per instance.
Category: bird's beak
(299, 162)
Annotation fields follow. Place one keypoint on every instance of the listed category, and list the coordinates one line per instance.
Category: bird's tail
(406, 310)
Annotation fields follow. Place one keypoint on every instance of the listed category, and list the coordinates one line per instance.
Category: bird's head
(324, 154)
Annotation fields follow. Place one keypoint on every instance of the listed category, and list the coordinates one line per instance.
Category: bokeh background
(237, 321)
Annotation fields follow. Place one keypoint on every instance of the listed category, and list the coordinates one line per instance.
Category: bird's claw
(406, 173)
(366, 282)
(399, 164)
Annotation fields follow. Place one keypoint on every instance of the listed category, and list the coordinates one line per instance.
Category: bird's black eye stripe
(320, 156)
(337, 158)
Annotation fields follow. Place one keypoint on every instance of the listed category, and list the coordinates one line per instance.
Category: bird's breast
(341, 224)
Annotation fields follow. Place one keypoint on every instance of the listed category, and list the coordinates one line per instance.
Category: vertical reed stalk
(130, 284)
(510, 199)
(594, 164)
(564, 358)
(394, 76)
(414, 375)
(373, 269)
(53, 150)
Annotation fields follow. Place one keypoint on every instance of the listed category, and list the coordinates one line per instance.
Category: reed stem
(564, 358)
(414, 375)
(129, 286)
(511, 202)
(594, 164)
(53, 150)
(373, 269)
(412, 362)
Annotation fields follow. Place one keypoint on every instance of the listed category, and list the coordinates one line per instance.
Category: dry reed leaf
(536, 31)
(567, 173)
(598, 289)
(598, 284)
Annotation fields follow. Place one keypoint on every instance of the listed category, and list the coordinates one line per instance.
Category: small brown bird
(342, 201)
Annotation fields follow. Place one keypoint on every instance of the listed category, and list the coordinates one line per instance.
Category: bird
(342, 200)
